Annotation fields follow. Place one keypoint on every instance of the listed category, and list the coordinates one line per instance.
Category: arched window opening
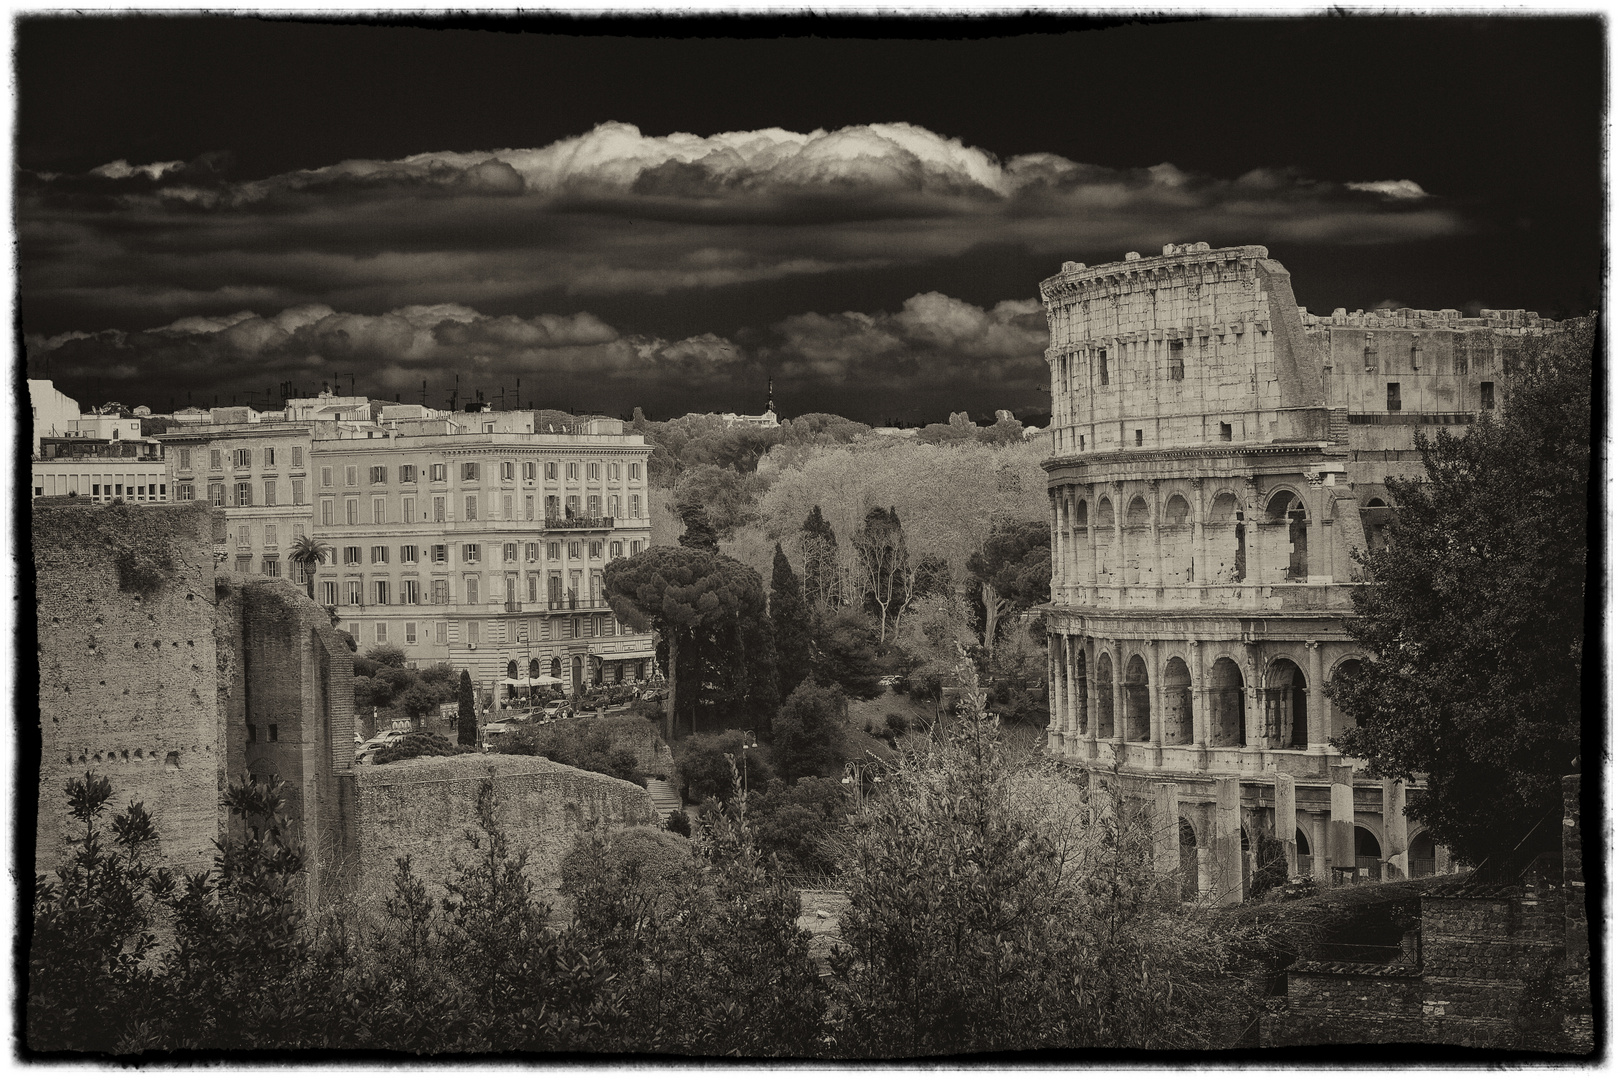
(1105, 697)
(1136, 515)
(1105, 513)
(1286, 507)
(1080, 513)
(534, 668)
(1138, 723)
(1177, 718)
(1188, 861)
(1375, 517)
(511, 669)
(578, 673)
(1339, 719)
(556, 667)
(1226, 708)
(1285, 719)
(1369, 856)
(1137, 556)
(1176, 541)
(1302, 844)
(1226, 523)
(1420, 856)
(1176, 511)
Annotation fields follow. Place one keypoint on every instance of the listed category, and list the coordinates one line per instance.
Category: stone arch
(1302, 844)
(1420, 856)
(1136, 514)
(1369, 854)
(1176, 510)
(578, 673)
(1079, 519)
(1224, 538)
(1176, 540)
(1187, 849)
(1287, 723)
(534, 667)
(1227, 722)
(556, 667)
(1375, 518)
(1177, 694)
(1137, 555)
(1105, 513)
(1078, 696)
(1339, 719)
(1105, 696)
(262, 770)
(1285, 507)
(1138, 714)
(511, 669)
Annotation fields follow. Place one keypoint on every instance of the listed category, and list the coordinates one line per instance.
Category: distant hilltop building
(766, 419)
(1218, 454)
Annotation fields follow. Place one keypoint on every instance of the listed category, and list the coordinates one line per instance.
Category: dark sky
(211, 206)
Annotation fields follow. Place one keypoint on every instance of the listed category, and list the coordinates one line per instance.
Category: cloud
(1395, 189)
(121, 170)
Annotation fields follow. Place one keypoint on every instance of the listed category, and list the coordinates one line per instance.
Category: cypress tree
(467, 714)
(791, 621)
(820, 545)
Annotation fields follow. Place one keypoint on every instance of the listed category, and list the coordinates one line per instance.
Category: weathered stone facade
(1218, 457)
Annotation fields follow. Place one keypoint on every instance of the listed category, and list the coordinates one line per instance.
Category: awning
(537, 680)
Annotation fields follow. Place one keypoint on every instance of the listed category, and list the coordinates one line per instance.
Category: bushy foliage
(807, 735)
(703, 763)
(844, 651)
(608, 745)
(421, 744)
(794, 822)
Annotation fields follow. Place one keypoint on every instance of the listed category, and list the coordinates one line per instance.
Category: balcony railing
(514, 607)
(579, 523)
(576, 603)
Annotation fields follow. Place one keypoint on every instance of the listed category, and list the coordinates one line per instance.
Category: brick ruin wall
(424, 808)
(125, 612)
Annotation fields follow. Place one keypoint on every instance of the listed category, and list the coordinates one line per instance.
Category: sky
(598, 216)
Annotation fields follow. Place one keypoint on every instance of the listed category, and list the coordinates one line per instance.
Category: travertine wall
(425, 807)
(125, 611)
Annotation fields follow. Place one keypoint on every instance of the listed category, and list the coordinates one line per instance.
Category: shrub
(678, 822)
(420, 744)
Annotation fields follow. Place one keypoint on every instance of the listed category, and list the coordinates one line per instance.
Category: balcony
(579, 524)
(576, 603)
(514, 607)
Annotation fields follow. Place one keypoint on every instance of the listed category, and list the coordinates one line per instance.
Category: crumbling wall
(424, 808)
(127, 655)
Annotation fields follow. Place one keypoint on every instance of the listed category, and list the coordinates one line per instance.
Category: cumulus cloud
(1395, 189)
(122, 170)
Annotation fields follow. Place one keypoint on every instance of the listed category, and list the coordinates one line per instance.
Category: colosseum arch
(1138, 557)
(1188, 859)
(1285, 705)
(1177, 694)
(1105, 513)
(1103, 544)
(1223, 538)
(1339, 719)
(1176, 541)
(1285, 507)
(1105, 696)
(1138, 715)
(1226, 704)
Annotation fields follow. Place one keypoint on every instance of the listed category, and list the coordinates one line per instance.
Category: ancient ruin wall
(424, 808)
(125, 610)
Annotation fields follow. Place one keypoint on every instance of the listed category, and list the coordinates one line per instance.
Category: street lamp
(748, 743)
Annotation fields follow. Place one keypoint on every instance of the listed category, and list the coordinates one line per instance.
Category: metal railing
(582, 523)
(576, 603)
(514, 607)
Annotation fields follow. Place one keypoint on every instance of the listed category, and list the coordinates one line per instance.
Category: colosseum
(1218, 457)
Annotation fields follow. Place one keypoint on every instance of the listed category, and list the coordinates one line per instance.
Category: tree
(387, 656)
(1473, 615)
(807, 735)
(699, 534)
(307, 553)
(466, 711)
(822, 580)
(420, 701)
(791, 622)
(844, 652)
(705, 762)
(885, 565)
(1011, 573)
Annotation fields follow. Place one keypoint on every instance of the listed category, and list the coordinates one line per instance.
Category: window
(613, 470)
(438, 472)
(1487, 395)
(1178, 366)
(216, 460)
(269, 457)
(596, 549)
(353, 589)
(379, 590)
(1138, 436)
(269, 493)
(469, 553)
(573, 470)
(327, 512)
(351, 556)
(407, 553)
(635, 506)
(593, 471)
(273, 732)
(181, 491)
(635, 547)
(574, 627)
(379, 511)
(438, 508)
(351, 475)
(551, 506)
(571, 505)
(509, 552)
(528, 507)
(616, 549)
(472, 508)
(506, 507)
(354, 630)
(379, 554)
(326, 476)
(441, 633)
(508, 470)
(298, 492)
(554, 588)
(551, 470)
(269, 536)
(244, 494)
(298, 457)
(351, 511)
(593, 506)
(185, 458)
(573, 549)
(382, 632)
(441, 553)
(271, 567)
(528, 470)
(1392, 397)
(531, 552)
(635, 470)
(613, 506)
(1102, 366)
(407, 474)
(1226, 433)
(441, 594)
(379, 474)
(242, 458)
(553, 550)
(469, 470)
(410, 592)
(329, 593)
(472, 633)
(534, 587)
(472, 590)
(410, 631)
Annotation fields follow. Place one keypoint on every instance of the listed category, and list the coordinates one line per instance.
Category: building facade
(1218, 457)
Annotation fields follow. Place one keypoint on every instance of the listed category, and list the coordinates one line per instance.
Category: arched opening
(511, 669)
(556, 667)
(1420, 856)
(1188, 865)
(1224, 535)
(1176, 511)
(1105, 513)
(534, 668)
(1136, 514)
(1138, 561)
(1177, 719)
(1176, 541)
(579, 673)
(1286, 508)
(1226, 709)
(1376, 516)
(1105, 697)
(1286, 722)
(1138, 722)
(1339, 720)
(1302, 844)
(1080, 514)
(1369, 855)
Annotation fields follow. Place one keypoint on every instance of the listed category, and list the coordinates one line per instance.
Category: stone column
(1227, 886)
(1395, 829)
(1096, 538)
(1070, 732)
(1200, 572)
(1155, 661)
(1318, 832)
(1342, 819)
(1059, 576)
(1117, 647)
(1155, 519)
(1254, 707)
(1315, 700)
(1088, 657)
(1166, 837)
(1054, 724)
(1319, 503)
(1253, 576)
(1121, 578)
(1283, 797)
(1200, 695)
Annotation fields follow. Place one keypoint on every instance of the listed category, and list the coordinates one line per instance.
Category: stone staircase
(664, 798)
